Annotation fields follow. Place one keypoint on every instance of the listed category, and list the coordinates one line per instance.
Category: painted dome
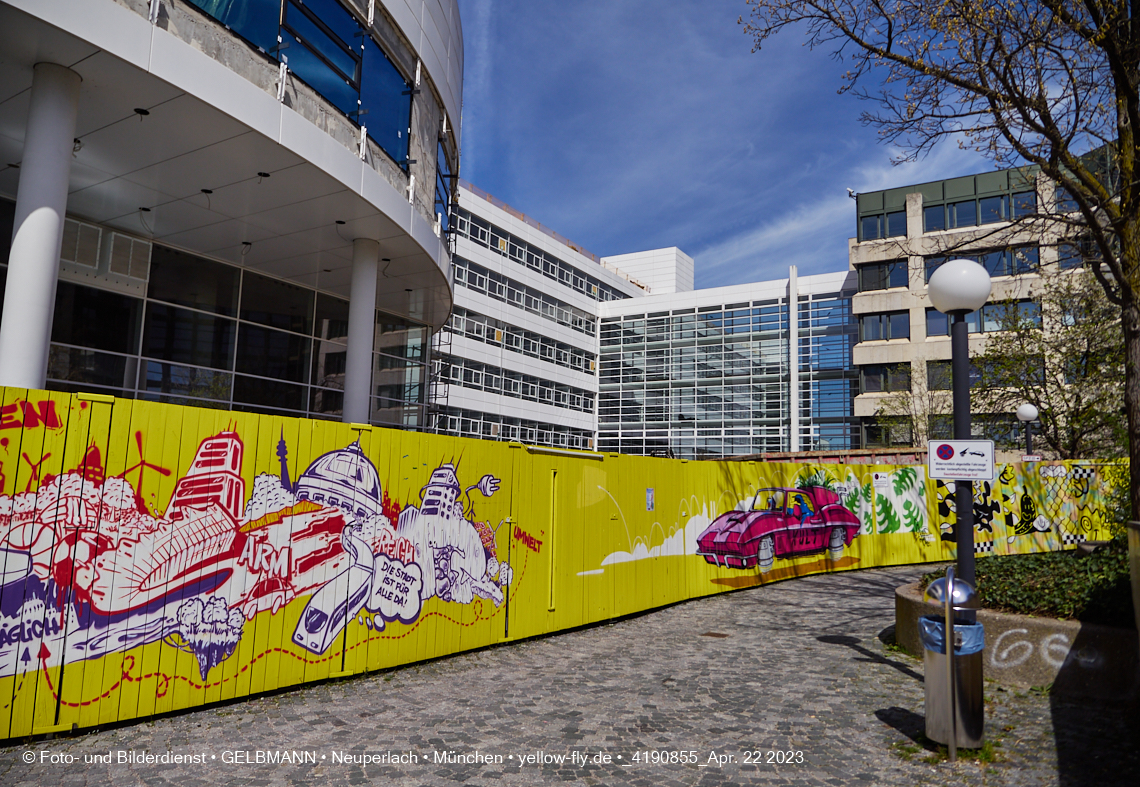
(345, 479)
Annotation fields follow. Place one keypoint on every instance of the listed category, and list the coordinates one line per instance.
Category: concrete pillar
(793, 359)
(37, 232)
(361, 331)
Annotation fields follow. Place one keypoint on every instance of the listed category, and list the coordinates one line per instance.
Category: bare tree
(1051, 83)
(914, 415)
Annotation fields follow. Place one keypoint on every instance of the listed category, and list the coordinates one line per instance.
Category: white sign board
(961, 460)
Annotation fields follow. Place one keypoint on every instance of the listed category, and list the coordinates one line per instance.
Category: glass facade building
(719, 379)
(137, 319)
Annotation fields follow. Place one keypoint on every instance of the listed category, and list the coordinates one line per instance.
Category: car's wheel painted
(765, 554)
(836, 544)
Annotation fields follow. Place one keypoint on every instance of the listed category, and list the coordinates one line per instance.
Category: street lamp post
(1027, 414)
(957, 288)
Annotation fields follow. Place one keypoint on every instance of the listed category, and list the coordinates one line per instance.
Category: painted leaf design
(903, 479)
(913, 517)
(888, 518)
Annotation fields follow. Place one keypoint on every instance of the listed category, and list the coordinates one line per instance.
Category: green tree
(1051, 83)
(1065, 356)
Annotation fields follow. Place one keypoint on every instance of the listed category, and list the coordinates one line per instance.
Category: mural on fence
(154, 557)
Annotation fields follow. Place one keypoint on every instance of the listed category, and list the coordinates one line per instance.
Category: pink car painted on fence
(779, 523)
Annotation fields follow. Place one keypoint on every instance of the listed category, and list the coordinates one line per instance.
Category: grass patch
(1093, 589)
(988, 753)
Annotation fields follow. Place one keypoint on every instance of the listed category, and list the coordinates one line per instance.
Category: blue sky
(640, 124)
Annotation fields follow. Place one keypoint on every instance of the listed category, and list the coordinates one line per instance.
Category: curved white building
(229, 203)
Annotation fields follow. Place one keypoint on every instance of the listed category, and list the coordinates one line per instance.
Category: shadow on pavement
(909, 723)
(869, 655)
(1098, 741)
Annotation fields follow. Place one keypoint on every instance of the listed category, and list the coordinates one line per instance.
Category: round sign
(945, 452)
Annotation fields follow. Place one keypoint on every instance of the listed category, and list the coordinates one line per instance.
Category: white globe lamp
(959, 286)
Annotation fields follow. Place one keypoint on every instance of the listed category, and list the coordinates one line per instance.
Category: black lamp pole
(963, 490)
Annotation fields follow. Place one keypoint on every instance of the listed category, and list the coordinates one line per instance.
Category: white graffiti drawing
(458, 552)
(1055, 649)
(1015, 654)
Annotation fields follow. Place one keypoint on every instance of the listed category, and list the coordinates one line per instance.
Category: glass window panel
(934, 218)
(328, 365)
(333, 14)
(872, 327)
(269, 353)
(896, 224)
(899, 271)
(191, 281)
(992, 209)
(869, 227)
(277, 304)
(87, 366)
(387, 98)
(1066, 203)
(96, 318)
(900, 325)
(332, 318)
(186, 381)
(996, 263)
(326, 402)
(1025, 259)
(898, 377)
(399, 338)
(993, 316)
(183, 336)
(937, 323)
(1030, 311)
(939, 375)
(269, 393)
(1024, 204)
(965, 213)
(872, 277)
(317, 75)
(253, 20)
(873, 379)
(337, 52)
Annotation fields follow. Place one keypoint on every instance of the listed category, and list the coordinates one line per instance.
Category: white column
(37, 232)
(361, 330)
(793, 359)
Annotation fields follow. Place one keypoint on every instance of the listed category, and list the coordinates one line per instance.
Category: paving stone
(801, 670)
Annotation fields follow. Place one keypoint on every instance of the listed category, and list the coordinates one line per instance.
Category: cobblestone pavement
(796, 671)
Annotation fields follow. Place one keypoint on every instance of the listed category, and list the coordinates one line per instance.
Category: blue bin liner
(932, 632)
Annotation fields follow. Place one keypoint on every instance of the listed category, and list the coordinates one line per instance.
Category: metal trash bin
(969, 642)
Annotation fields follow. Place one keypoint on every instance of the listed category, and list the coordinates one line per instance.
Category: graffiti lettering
(42, 413)
(532, 543)
(260, 556)
(1054, 649)
(29, 631)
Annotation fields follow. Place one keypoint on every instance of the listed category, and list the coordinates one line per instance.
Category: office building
(235, 204)
(904, 234)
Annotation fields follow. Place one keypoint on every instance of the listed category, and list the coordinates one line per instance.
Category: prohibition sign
(945, 452)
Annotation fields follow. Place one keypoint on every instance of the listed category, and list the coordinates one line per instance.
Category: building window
(885, 378)
(887, 432)
(939, 375)
(934, 218)
(891, 325)
(888, 225)
(1012, 261)
(882, 275)
(442, 187)
(997, 316)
